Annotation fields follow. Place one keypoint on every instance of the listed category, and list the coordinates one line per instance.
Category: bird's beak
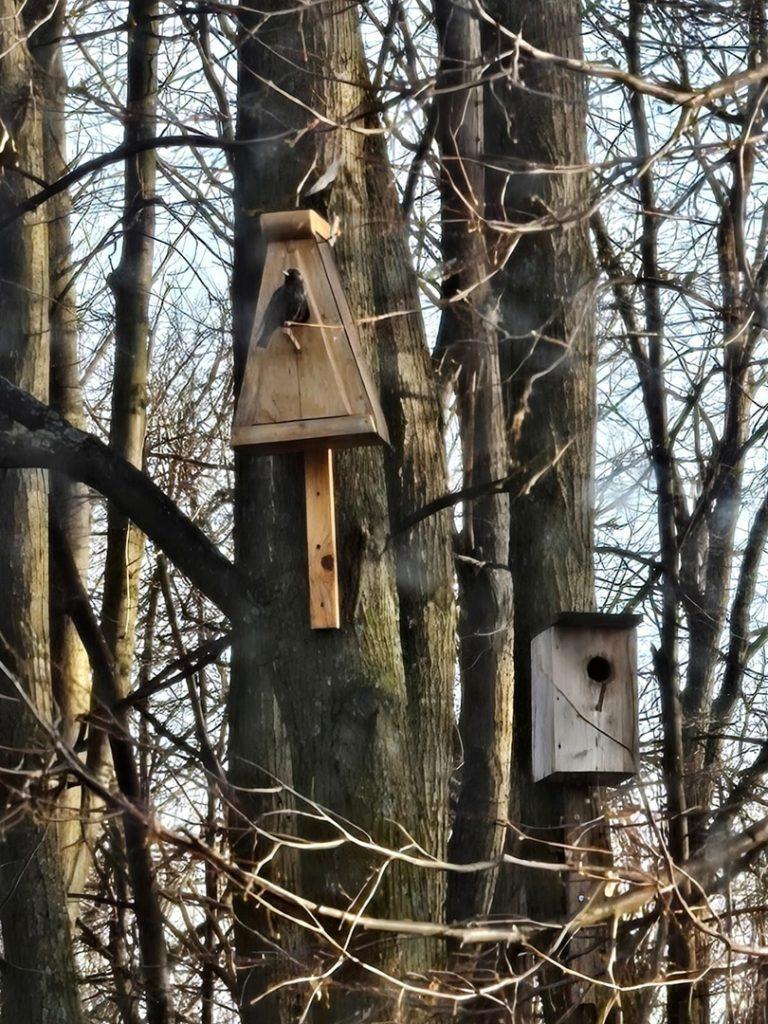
(286, 273)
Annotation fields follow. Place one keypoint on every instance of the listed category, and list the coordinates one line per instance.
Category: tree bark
(39, 980)
(467, 352)
(131, 283)
(69, 499)
(536, 121)
(351, 703)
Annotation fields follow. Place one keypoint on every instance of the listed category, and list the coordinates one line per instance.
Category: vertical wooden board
(632, 647)
(251, 390)
(321, 394)
(586, 953)
(542, 710)
(325, 387)
(332, 294)
(335, 287)
(334, 334)
(321, 539)
(276, 382)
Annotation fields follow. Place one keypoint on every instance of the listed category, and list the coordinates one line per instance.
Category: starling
(288, 305)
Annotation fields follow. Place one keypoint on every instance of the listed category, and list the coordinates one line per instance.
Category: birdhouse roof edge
(285, 225)
(594, 620)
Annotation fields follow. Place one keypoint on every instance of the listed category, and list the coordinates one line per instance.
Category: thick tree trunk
(38, 981)
(69, 500)
(467, 352)
(548, 353)
(351, 702)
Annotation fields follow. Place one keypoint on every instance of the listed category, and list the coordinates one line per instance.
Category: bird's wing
(274, 317)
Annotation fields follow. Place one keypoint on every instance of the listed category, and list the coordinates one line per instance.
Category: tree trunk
(467, 352)
(39, 981)
(351, 702)
(131, 283)
(69, 500)
(534, 122)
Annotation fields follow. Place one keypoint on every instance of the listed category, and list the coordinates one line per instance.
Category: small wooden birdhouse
(306, 386)
(305, 379)
(584, 699)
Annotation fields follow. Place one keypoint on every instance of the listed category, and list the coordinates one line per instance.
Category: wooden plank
(332, 430)
(276, 382)
(586, 951)
(321, 539)
(329, 373)
(595, 722)
(542, 707)
(334, 284)
(288, 224)
(272, 279)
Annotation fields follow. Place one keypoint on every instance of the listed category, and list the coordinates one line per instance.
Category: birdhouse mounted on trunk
(584, 699)
(305, 380)
(305, 386)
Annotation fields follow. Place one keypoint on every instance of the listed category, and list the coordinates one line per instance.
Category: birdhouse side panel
(334, 283)
(595, 702)
(542, 707)
(328, 340)
(249, 399)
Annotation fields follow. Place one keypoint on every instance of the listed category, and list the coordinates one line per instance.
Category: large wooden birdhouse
(584, 699)
(305, 381)
(306, 386)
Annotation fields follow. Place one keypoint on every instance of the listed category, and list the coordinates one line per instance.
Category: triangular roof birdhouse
(305, 382)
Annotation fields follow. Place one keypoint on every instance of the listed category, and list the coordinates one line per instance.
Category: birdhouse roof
(596, 620)
(290, 225)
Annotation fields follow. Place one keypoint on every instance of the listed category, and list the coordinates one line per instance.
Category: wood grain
(299, 435)
(288, 224)
(313, 385)
(321, 540)
(582, 728)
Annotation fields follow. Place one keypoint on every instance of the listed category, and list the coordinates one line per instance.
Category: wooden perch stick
(321, 539)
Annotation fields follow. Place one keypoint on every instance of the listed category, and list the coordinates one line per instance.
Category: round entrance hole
(599, 669)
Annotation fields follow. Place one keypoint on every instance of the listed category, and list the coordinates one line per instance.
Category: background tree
(467, 352)
(35, 926)
(464, 150)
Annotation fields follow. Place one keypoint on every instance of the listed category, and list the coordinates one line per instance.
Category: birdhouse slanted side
(305, 381)
(584, 699)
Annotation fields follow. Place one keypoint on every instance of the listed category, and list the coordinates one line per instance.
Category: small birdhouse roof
(307, 383)
(596, 620)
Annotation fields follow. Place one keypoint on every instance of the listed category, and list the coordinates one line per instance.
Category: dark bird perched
(288, 305)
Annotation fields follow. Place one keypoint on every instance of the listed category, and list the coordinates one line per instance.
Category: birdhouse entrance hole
(599, 669)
